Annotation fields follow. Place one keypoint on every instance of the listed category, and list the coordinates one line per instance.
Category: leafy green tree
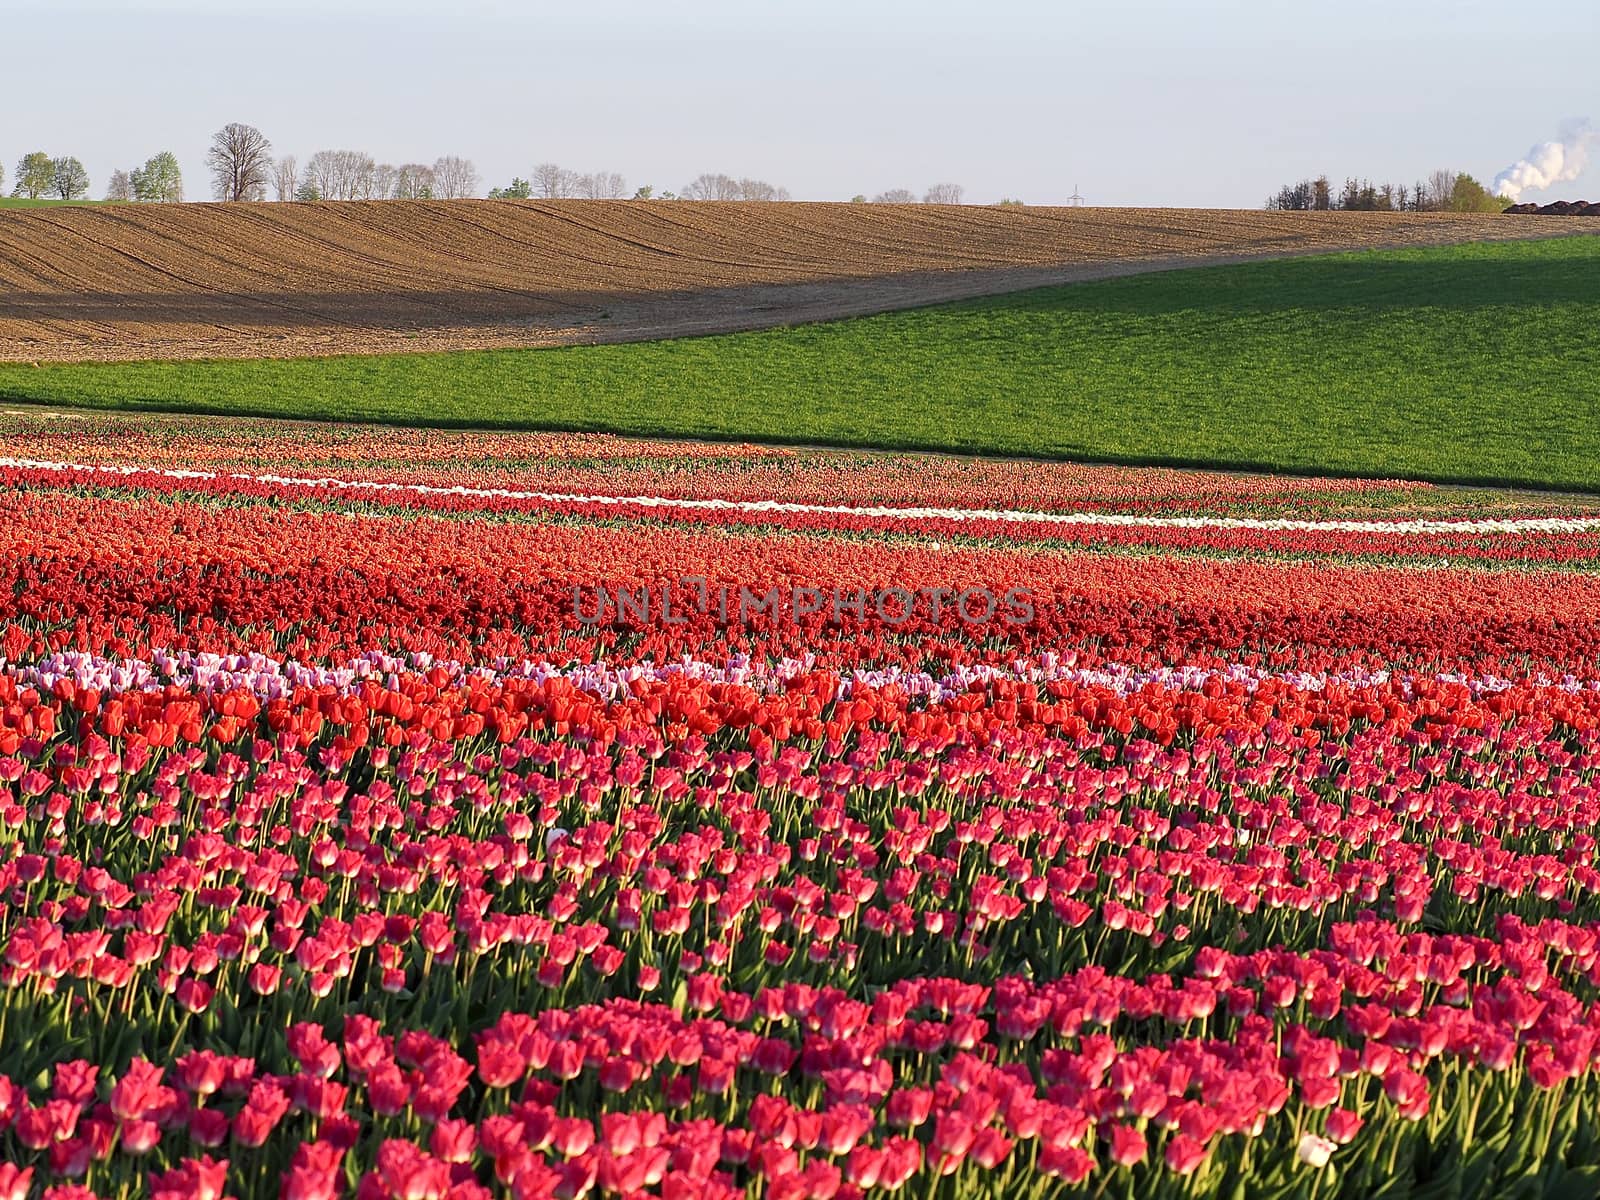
(1468, 195)
(159, 181)
(307, 192)
(645, 193)
(858, 198)
(68, 179)
(35, 174)
(518, 189)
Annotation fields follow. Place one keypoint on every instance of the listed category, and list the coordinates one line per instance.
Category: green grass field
(24, 202)
(1476, 363)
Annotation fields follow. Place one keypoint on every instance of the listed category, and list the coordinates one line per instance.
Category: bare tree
(341, 174)
(383, 181)
(364, 182)
(712, 187)
(285, 177)
(760, 189)
(363, 169)
(603, 185)
(895, 196)
(454, 178)
(1296, 197)
(360, 168)
(413, 181)
(321, 174)
(944, 193)
(554, 182)
(120, 186)
(1441, 187)
(240, 160)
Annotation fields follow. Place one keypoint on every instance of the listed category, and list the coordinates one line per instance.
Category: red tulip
(139, 1092)
(1127, 1145)
(453, 1141)
(1343, 1125)
(1184, 1154)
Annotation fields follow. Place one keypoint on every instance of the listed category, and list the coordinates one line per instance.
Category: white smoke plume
(1549, 163)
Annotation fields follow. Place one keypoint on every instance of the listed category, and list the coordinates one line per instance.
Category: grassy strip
(42, 202)
(1474, 363)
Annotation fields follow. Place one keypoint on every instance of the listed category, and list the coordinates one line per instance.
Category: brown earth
(123, 282)
(1558, 208)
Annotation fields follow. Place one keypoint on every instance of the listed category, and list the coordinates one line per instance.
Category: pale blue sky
(1136, 101)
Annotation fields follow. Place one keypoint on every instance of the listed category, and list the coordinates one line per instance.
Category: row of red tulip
(598, 463)
(122, 577)
(1497, 541)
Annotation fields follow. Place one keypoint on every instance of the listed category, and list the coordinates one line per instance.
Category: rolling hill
(129, 282)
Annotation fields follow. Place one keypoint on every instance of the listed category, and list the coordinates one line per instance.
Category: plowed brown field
(120, 282)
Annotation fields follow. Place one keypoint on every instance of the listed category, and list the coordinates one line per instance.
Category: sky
(1132, 102)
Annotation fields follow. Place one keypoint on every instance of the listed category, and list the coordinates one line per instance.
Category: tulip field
(353, 848)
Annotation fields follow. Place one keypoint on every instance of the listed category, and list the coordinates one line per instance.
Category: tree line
(551, 181)
(356, 175)
(939, 193)
(40, 175)
(242, 167)
(1441, 191)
